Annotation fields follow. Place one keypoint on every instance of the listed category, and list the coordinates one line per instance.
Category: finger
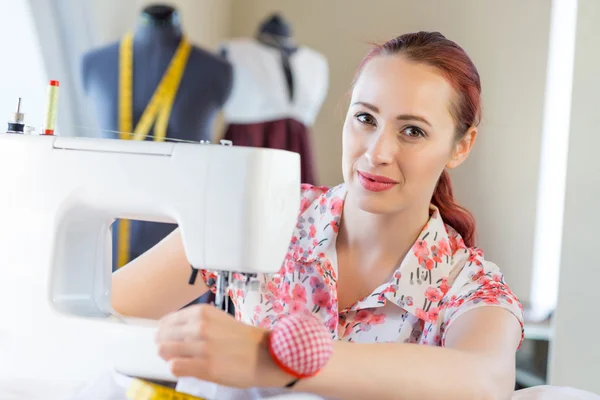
(183, 316)
(194, 367)
(192, 331)
(170, 350)
(196, 312)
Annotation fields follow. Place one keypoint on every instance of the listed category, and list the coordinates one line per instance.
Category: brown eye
(365, 118)
(413, 132)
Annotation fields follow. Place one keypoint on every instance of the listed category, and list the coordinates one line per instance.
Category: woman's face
(399, 135)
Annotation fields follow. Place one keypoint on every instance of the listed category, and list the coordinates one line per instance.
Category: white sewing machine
(236, 208)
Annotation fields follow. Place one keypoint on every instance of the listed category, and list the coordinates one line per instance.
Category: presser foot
(225, 282)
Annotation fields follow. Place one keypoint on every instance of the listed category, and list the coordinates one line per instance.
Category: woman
(386, 260)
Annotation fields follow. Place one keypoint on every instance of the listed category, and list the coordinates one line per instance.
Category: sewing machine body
(236, 208)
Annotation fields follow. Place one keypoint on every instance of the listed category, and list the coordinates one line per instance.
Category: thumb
(195, 367)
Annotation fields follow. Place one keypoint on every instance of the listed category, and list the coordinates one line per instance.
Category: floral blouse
(438, 280)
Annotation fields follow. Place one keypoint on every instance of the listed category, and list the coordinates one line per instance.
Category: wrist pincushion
(300, 345)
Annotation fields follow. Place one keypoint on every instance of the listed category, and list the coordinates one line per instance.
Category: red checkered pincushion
(300, 345)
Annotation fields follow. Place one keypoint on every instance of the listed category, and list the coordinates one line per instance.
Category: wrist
(298, 347)
(269, 373)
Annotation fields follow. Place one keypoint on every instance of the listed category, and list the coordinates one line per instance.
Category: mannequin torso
(279, 90)
(205, 87)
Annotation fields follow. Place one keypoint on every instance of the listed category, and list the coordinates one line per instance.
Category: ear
(462, 148)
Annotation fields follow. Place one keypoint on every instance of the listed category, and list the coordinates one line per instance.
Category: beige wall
(575, 353)
(507, 40)
(206, 22)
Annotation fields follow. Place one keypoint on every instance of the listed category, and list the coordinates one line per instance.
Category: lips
(375, 183)
(377, 178)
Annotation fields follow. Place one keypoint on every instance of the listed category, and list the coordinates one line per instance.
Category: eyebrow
(401, 117)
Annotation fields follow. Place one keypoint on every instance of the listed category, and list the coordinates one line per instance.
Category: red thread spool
(300, 345)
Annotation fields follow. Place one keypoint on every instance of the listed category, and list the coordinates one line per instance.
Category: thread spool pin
(16, 124)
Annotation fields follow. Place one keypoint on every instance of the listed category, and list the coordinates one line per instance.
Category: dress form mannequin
(205, 86)
(278, 92)
(277, 32)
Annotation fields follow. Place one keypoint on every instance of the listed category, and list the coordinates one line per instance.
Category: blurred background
(277, 73)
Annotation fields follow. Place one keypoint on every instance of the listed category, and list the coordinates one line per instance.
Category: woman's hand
(206, 343)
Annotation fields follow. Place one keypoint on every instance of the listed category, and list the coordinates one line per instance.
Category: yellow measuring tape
(144, 390)
(157, 112)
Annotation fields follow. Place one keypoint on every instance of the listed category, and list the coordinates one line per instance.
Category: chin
(376, 202)
(375, 207)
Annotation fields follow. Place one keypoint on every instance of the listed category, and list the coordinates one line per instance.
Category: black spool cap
(14, 127)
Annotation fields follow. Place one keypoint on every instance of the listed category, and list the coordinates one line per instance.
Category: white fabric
(208, 390)
(197, 387)
(547, 392)
(112, 386)
(108, 386)
(260, 91)
(37, 389)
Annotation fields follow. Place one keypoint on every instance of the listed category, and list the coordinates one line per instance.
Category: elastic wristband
(292, 383)
(300, 345)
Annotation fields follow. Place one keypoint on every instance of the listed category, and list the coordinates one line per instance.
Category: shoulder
(239, 44)
(210, 58)
(99, 55)
(322, 201)
(470, 269)
(480, 280)
(469, 264)
(476, 282)
(100, 52)
(312, 56)
(309, 194)
(98, 61)
(211, 69)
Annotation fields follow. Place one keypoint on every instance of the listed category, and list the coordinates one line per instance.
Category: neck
(383, 240)
(161, 31)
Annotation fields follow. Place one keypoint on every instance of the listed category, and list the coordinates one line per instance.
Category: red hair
(433, 49)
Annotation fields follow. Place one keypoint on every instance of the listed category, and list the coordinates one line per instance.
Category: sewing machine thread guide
(193, 276)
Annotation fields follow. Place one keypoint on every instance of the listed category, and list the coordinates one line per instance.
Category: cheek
(351, 145)
(423, 167)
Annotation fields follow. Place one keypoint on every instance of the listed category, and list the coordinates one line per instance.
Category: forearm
(156, 283)
(406, 371)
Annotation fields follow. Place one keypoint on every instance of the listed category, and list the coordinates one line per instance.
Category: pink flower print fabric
(439, 280)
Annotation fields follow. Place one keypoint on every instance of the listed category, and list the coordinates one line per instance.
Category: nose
(382, 148)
